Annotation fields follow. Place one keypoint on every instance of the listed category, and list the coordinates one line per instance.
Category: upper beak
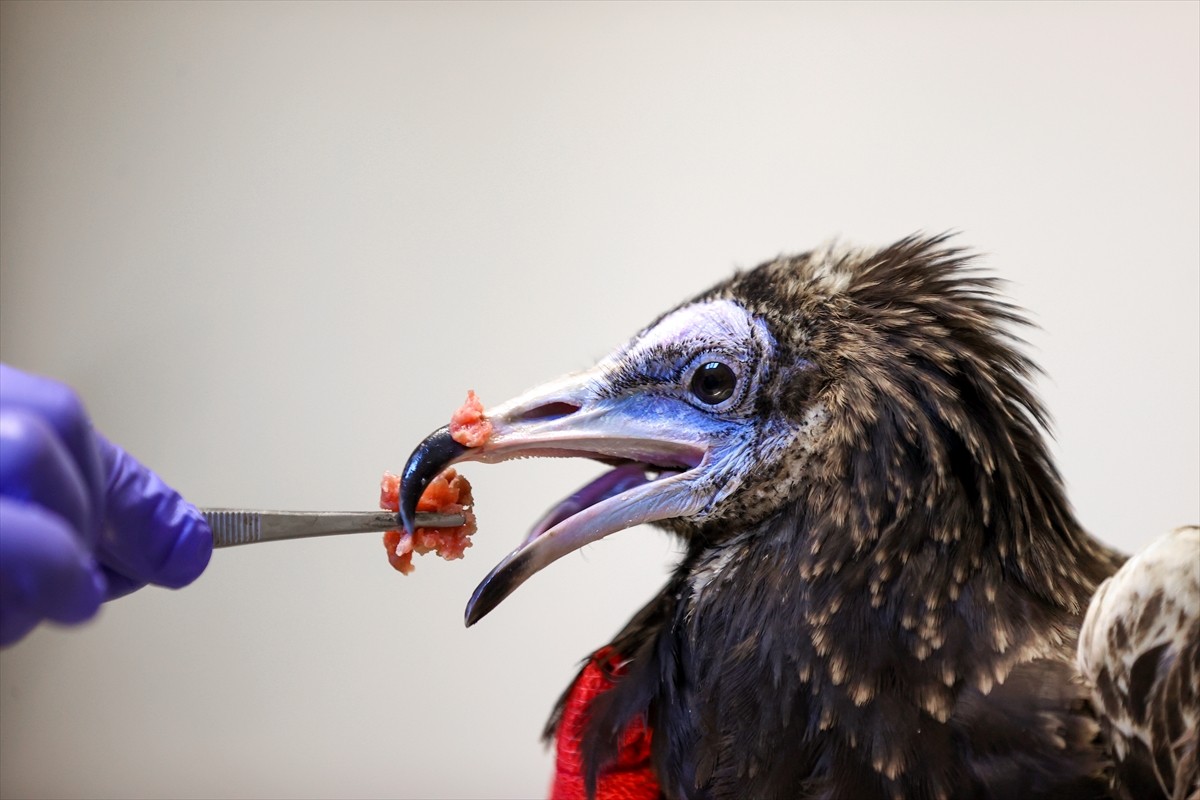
(655, 444)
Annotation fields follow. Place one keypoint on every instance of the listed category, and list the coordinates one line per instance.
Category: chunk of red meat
(468, 426)
(448, 493)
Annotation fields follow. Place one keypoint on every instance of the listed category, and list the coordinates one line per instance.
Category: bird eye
(713, 382)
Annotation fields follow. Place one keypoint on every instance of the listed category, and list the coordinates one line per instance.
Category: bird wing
(1139, 648)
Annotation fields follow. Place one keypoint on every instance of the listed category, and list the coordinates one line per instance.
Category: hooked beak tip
(499, 584)
(434, 454)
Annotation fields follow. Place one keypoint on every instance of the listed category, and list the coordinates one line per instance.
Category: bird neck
(858, 658)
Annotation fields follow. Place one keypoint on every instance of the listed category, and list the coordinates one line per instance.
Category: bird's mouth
(655, 460)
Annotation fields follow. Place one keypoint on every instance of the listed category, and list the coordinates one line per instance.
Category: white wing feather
(1138, 649)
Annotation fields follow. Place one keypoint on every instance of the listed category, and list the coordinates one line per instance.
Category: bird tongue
(610, 484)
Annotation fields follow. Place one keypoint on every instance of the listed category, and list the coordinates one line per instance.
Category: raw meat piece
(468, 426)
(448, 493)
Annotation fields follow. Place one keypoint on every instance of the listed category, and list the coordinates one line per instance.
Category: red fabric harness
(630, 776)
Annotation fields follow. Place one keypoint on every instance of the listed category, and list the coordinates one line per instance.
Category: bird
(882, 582)
(1139, 650)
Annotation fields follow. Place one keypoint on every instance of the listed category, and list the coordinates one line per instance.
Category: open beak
(656, 446)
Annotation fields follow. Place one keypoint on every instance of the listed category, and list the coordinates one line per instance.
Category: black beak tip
(481, 603)
(485, 598)
(431, 456)
(474, 613)
(499, 584)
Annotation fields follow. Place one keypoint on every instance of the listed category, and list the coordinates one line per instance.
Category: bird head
(843, 383)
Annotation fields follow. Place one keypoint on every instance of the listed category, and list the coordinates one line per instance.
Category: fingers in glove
(15, 625)
(37, 468)
(45, 571)
(61, 409)
(152, 535)
(119, 584)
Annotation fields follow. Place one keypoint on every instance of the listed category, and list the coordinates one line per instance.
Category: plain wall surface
(273, 245)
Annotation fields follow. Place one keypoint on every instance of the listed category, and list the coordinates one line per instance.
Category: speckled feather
(887, 604)
(1140, 650)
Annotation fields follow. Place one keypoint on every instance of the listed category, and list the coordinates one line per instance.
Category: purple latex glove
(81, 521)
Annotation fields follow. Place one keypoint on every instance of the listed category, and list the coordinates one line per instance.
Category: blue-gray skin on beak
(675, 429)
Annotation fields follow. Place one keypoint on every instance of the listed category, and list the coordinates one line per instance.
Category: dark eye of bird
(713, 382)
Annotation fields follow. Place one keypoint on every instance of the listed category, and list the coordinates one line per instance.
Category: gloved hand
(81, 521)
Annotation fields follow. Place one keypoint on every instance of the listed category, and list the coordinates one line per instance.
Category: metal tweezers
(232, 526)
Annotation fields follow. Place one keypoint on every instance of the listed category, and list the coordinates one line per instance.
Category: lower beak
(654, 444)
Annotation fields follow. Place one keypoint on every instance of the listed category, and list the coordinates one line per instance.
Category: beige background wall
(272, 245)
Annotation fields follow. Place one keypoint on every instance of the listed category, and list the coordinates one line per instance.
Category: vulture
(883, 588)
